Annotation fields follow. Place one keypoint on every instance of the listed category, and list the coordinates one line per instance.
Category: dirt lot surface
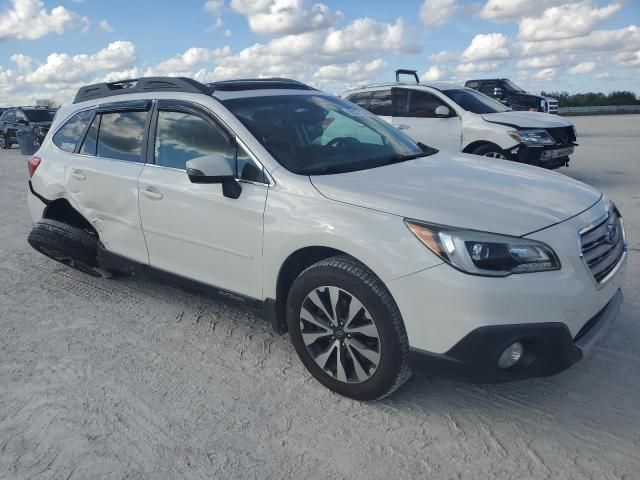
(110, 379)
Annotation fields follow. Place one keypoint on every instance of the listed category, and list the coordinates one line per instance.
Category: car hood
(527, 119)
(465, 191)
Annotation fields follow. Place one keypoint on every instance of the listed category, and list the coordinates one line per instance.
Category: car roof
(434, 85)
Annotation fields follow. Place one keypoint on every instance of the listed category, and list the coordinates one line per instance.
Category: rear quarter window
(67, 137)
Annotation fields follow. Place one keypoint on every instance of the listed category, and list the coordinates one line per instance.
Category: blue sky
(49, 48)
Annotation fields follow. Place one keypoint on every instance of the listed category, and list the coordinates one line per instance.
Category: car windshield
(512, 87)
(37, 115)
(474, 101)
(315, 134)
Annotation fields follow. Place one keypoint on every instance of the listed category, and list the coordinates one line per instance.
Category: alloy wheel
(340, 334)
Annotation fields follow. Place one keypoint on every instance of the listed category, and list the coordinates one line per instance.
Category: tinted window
(380, 103)
(473, 101)
(91, 140)
(412, 103)
(120, 136)
(472, 84)
(246, 168)
(360, 99)
(67, 137)
(20, 116)
(10, 116)
(40, 115)
(183, 136)
(319, 134)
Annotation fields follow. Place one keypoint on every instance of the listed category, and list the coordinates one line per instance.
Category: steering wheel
(339, 142)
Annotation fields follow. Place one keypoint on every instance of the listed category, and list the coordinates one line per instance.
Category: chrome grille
(603, 245)
(552, 106)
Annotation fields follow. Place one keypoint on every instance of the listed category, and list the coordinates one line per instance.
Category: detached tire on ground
(347, 329)
(69, 245)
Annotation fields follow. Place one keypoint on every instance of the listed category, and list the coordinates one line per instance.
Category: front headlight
(539, 137)
(481, 253)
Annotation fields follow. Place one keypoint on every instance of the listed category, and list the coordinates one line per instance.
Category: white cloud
(22, 61)
(437, 12)
(546, 74)
(213, 6)
(30, 20)
(542, 62)
(366, 34)
(104, 25)
(565, 21)
(281, 17)
(63, 68)
(597, 41)
(434, 73)
(351, 72)
(581, 68)
(444, 56)
(186, 62)
(227, 33)
(491, 46)
(602, 76)
(218, 24)
(628, 59)
(507, 10)
(477, 67)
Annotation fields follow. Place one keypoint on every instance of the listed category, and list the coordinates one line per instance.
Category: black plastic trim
(258, 84)
(37, 195)
(141, 85)
(549, 349)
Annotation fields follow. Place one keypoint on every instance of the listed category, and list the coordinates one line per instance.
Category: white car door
(192, 229)
(414, 113)
(102, 176)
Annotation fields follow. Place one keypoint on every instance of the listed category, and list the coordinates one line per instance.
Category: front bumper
(549, 348)
(552, 156)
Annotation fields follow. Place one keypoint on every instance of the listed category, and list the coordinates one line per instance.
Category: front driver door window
(192, 229)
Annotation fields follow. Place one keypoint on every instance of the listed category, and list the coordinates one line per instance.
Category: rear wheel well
(62, 211)
(295, 263)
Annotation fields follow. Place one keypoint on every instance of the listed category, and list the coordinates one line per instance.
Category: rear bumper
(549, 349)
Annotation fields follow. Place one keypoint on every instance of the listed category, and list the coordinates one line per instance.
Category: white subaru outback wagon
(378, 255)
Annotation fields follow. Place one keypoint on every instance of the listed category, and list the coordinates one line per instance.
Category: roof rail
(258, 84)
(402, 71)
(140, 85)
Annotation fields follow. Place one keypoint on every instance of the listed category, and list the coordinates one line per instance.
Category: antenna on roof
(402, 71)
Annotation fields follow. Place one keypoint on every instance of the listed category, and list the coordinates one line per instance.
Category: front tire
(347, 329)
(4, 144)
(492, 151)
(69, 245)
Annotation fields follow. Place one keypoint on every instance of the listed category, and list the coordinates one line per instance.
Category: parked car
(510, 94)
(377, 256)
(452, 117)
(37, 120)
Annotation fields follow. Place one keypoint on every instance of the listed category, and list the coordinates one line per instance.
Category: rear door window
(360, 99)
(120, 136)
(68, 136)
(418, 104)
(380, 103)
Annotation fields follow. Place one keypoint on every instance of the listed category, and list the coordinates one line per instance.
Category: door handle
(152, 194)
(403, 127)
(78, 175)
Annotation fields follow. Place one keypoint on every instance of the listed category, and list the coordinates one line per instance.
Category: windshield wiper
(413, 156)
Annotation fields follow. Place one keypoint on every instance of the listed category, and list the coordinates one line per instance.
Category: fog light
(511, 355)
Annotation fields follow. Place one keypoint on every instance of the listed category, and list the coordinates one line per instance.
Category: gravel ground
(128, 378)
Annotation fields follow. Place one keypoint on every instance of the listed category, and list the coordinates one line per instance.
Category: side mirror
(215, 169)
(442, 111)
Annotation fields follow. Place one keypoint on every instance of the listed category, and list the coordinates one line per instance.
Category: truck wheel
(347, 329)
(70, 245)
(3, 142)
(490, 150)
